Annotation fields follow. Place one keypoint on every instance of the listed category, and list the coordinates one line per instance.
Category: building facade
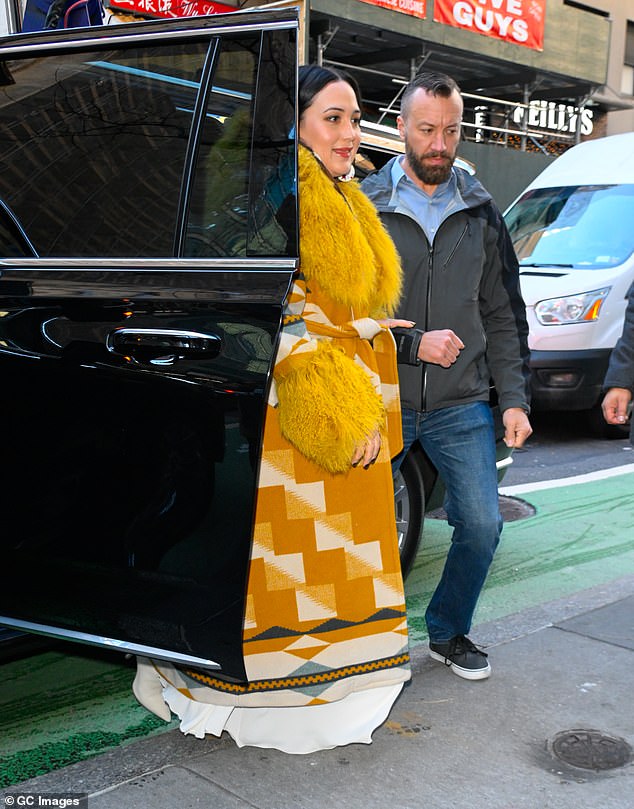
(619, 85)
(537, 75)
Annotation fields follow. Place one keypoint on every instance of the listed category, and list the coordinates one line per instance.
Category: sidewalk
(564, 666)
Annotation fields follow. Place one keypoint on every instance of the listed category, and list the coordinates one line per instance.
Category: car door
(148, 239)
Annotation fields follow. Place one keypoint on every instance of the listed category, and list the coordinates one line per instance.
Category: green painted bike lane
(60, 707)
(581, 535)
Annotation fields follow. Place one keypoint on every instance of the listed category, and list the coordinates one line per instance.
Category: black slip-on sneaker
(463, 657)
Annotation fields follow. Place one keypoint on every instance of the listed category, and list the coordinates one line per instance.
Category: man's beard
(429, 175)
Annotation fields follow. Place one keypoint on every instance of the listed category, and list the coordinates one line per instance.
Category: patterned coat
(325, 604)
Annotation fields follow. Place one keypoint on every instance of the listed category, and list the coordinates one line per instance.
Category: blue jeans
(460, 442)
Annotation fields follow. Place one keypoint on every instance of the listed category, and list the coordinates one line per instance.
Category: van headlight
(582, 308)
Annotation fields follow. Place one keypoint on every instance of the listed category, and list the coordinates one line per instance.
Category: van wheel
(409, 506)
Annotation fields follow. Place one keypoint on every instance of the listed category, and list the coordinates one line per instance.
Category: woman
(325, 634)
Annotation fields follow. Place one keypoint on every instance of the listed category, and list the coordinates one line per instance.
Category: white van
(573, 232)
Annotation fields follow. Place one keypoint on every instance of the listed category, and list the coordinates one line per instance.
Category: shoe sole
(466, 674)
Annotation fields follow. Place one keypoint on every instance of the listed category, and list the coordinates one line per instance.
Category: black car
(145, 263)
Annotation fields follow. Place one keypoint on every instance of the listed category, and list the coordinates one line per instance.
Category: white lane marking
(601, 474)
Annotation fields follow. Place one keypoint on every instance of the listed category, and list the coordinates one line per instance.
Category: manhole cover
(591, 749)
(511, 508)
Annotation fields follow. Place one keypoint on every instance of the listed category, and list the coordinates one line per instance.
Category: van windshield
(586, 227)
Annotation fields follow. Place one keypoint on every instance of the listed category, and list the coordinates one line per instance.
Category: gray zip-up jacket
(468, 281)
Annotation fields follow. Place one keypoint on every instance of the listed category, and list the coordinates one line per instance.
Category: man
(461, 287)
(619, 379)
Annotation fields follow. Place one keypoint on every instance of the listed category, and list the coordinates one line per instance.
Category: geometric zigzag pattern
(325, 612)
(325, 602)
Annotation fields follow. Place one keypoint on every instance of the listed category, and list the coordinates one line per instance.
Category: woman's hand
(392, 323)
(368, 450)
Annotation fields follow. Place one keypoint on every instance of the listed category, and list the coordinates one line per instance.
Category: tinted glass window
(13, 242)
(272, 195)
(217, 223)
(242, 199)
(117, 153)
(93, 146)
(586, 227)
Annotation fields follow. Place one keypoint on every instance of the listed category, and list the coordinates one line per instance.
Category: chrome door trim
(263, 264)
(13, 49)
(108, 643)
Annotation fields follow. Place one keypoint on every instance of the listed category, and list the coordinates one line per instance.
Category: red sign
(415, 8)
(520, 22)
(170, 8)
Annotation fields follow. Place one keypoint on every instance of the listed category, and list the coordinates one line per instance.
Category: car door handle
(163, 346)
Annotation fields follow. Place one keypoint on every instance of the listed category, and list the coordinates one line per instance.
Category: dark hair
(437, 84)
(313, 79)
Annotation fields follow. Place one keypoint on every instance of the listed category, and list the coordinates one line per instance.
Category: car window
(93, 144)
(218, 207)
(13, 240)
(97, 149)
(243, 191)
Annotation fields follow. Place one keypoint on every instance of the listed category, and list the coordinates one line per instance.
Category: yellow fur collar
(343, 244)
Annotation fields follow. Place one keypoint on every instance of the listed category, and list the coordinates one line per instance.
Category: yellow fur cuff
(327, 406)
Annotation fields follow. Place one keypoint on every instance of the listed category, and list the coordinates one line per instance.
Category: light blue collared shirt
(429, 210)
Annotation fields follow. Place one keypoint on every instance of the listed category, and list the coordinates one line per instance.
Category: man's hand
(517, 427)
(615, 405)
(441, 347)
